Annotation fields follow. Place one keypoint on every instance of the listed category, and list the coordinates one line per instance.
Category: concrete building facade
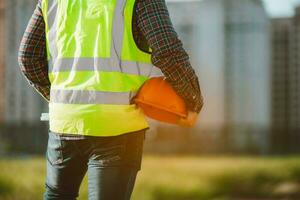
(247, 73)
(294, 84)
(281, 66)
(2, 58)
(285, 84)
(295, 73)
(247, 63)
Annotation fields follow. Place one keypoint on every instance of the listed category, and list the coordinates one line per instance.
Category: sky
(281, 8)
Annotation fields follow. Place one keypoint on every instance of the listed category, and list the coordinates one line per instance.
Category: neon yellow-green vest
(95, 67)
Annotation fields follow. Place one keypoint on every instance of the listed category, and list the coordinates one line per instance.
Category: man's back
(90, 57)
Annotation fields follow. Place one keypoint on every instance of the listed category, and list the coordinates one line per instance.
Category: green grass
(176, 178)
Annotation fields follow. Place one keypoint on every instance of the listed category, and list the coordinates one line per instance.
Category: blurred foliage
(176, 178)
(5, 186)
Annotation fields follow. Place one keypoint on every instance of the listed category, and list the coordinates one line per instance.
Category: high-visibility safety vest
(95, 67)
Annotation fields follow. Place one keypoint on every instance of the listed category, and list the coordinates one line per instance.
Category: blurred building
(295, 73)
(294, 77)
(247, 73)
(286, 84)
(229, 45)
(2, 63)
(281, 66)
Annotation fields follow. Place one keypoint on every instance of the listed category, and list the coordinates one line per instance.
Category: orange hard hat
(159, 101)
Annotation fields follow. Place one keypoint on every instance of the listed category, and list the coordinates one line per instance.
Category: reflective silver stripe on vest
(90, 97)
(52, 24)
(117, 34)
(100, 64)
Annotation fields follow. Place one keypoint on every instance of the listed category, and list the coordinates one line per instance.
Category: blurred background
(247, 140)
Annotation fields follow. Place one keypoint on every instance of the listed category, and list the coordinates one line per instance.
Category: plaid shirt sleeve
(153, 25)
(32, 54)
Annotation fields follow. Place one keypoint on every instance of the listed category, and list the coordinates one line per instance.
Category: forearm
(32, 54)
(168, 53)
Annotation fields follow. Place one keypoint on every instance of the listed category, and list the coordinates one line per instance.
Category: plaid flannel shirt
(152, 28)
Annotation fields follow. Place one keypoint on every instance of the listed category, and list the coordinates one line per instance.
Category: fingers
(190, 120)
(185, 123)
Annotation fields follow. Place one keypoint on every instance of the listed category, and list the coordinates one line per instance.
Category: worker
(87, 58)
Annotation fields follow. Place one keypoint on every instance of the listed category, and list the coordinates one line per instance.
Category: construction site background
(247, 62)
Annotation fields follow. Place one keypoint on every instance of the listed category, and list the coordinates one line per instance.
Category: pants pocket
(134, 149)
(107, 156)
(54, 149)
